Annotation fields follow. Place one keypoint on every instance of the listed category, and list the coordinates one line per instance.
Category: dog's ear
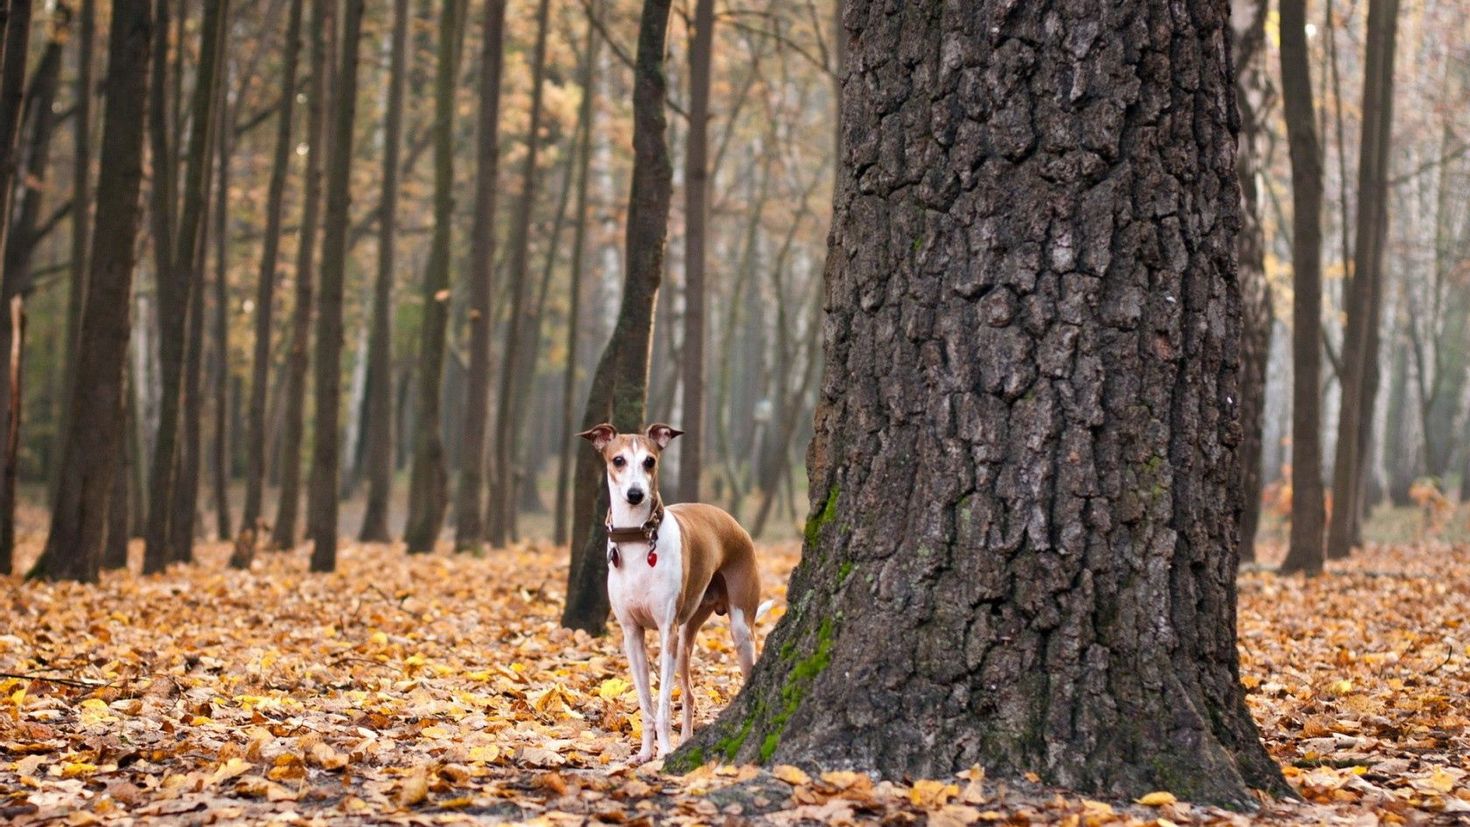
(599, 435)
(662, 434)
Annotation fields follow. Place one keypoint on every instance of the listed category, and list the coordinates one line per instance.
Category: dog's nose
(635, 496)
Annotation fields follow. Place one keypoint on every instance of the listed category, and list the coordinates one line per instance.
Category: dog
(670, 568)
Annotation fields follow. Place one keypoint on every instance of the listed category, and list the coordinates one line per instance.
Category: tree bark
(620, 385)
(514, 381)
(255, 439)
(81, 198)
(1360, 338)
(1252, 90)
(1306, 551)
(567, 457)
(220, 365)
(379, 433)
(323, 16)
(16, 40)
(166, 541)
(696, 213)
(325, 465)
(428, 492)
(93, 444)
(1024, 484)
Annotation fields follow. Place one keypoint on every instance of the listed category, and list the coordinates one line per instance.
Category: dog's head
(632, 459)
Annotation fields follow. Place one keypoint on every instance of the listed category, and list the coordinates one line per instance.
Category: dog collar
(647, 532)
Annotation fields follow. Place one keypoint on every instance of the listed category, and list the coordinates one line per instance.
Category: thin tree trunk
(325, 465)
(1360, 338)
(1306, 551)
(566, 458)
(255, 437)
(221, 365)
(379, 430)
(16, 41)
(323, 15)
(167, 542)
(513, 382)
(428, 494)
(696, 207)
(8, 476)
(81, 198)
(93, 444)
(620, 385)
(1017, 560)
(469, 524)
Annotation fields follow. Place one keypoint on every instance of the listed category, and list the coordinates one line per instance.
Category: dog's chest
(648, 595)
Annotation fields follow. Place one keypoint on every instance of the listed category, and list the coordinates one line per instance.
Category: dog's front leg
(667, 644)
(638, 664)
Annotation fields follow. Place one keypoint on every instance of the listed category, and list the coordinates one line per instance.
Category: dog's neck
(626, 515)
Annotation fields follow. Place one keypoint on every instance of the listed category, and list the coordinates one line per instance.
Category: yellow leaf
(791, 775)
(613, 688)
(1157, 799)
(229, 769)
(77, 768)
(415, 787)
(931, 794)
(487, 754)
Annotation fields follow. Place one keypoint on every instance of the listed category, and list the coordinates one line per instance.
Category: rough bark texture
(265, 290)
(518, 364)
(379, 402)
(428, 487)
(93, 444)
(1360, 337)
(620, 385)
(567, 459)
(469, 525)
(1305, 553)
(696, 209)
(325, 465)
(16, 39)
(1253, 96)
(323, 14)
(1025, 490)
(219, 365)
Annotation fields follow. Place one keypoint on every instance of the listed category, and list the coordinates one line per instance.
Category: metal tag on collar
(613, 558)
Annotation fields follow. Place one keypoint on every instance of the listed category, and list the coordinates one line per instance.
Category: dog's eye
(619, 462)
(648, 463)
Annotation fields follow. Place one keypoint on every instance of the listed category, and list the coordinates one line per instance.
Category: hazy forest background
(310, 278)
(556, 271)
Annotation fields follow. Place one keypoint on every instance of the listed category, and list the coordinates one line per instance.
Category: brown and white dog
(670, 568)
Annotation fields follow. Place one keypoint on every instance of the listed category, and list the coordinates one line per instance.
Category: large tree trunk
(16, 42)
(1252, 90)
(428, 491)
(1305, 553)
(325, 466)
(469, 524)
(515, 381)
(620, 385)
(696, 214)
(81, 198)
(1360, 338)
(255, 439)
(1025, 488)
(379, 404)
(170, 490)
(323, 17)
(566, 458)
(93, 444)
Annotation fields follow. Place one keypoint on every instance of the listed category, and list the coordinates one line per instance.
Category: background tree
(1306, 551)
(931, 532)
(325, 464)
(428, 488)
(620, 384)
(696, 205)
(469, 526)
(266, 287)
(93, 445)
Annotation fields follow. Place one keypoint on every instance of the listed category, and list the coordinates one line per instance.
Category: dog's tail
(762, 609)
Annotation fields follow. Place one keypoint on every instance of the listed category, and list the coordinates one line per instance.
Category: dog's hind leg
(744, 640)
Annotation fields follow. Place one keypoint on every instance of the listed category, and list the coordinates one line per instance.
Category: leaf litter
(441, 689)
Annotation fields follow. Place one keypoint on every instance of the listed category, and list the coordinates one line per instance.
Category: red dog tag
(652, 557)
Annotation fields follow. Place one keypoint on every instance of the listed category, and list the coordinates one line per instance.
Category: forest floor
(440, 689)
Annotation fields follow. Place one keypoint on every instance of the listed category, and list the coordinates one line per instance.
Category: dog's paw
(643, 757)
